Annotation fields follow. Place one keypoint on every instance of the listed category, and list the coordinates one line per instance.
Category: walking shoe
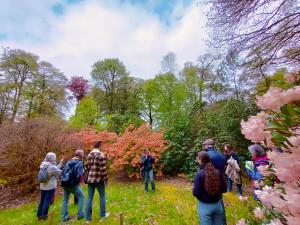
(106, 215)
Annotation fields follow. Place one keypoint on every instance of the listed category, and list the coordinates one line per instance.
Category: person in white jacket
(48, 188)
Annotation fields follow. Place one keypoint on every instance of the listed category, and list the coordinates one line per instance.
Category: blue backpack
(43, 175)
(69, 176)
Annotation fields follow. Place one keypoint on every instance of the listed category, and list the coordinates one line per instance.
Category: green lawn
(171, 204)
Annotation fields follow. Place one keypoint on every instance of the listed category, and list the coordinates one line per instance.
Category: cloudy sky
(73, 34)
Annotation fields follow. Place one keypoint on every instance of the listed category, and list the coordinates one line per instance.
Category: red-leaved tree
(78, 86)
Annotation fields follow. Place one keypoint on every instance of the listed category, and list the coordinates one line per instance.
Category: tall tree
(107, 73)
(46, 93)
(17, 67)
(259, 28)
(78, 86)
(168, 63)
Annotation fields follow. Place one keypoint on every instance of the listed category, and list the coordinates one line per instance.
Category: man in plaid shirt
(96, 173)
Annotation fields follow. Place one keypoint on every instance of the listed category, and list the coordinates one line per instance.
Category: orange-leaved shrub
(126, 153)
(89, 136)
(24, 145)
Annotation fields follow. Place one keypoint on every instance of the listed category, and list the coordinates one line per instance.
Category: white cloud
(92, 31)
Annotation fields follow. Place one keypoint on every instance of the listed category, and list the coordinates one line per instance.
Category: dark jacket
(76, 165)
(147, 162)
(96, 167)
(199, 188)
(234, 156)
(217, 158)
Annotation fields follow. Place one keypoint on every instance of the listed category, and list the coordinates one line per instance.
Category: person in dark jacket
(147, 169)
(228, 154)
(217, 158)
(76, 166)
(209, 184)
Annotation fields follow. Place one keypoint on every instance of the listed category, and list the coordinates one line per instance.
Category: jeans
(149, 175)
(229, 187)
(211, 213)
(45, 201)
(91, 190)
(77, 191)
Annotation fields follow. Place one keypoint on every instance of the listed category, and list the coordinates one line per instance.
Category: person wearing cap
(48, 187)
(73, 169)
(96, 178)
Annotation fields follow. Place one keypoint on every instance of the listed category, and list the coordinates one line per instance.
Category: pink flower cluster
(254, 128)
(277, 97)
(241, 222)
(291, 77)
(259, 214)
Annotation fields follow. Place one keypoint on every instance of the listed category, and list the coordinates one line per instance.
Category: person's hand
(62, 160)
(106, 183)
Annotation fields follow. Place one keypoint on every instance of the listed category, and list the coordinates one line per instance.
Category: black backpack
(69, 176)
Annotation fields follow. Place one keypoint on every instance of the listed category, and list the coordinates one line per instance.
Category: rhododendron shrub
(278, 126)
(127, 151)
(89, 136)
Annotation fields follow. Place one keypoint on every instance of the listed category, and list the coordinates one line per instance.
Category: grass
(171, 204)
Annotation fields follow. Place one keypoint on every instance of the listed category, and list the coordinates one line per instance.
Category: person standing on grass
(147, 169)
(233, 170)
(218, 160)
(48, 186)
(209, 184)
(71, 176)
(96, 178)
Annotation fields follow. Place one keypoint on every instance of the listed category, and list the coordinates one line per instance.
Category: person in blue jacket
(209, 184)
(147, 169)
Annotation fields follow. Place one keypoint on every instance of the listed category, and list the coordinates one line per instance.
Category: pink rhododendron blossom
(264, 170)
(254, 128)
(259, 213)
(293, 199)
(293, 220)
(242, 222)
(294, 140)
(243, 198)
(291, 77)
(275, 222)
(273, 99)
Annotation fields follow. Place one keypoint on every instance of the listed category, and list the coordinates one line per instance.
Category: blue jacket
(217, 158)
(199, 188)
(77, 166)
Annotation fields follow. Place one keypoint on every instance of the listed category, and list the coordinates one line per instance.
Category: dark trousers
(45, 201)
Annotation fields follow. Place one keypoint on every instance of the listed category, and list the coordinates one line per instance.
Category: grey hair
(257, 149)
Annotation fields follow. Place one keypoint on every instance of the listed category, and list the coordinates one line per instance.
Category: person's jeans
(211, 213)
(45, 201)
(77, 191)
(229, 187)
(91, 190)
(149, 175)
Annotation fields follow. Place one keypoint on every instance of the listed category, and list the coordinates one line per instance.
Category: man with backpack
(70, 181)
(96, 178)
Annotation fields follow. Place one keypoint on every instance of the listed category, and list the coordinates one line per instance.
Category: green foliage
(118, 122)
(175, 157)
(85, 114)
(222, 123)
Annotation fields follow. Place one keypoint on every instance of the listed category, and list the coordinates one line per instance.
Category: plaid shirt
(96, 167)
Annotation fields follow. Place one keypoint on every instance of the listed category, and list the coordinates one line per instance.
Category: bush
(24, 145)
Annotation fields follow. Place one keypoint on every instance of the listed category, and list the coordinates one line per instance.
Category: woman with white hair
(48, 186)
(260, 159)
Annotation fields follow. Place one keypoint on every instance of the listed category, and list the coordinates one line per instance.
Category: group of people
(216, 175)
(71, 174)
(74, 172)
(215, 168)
